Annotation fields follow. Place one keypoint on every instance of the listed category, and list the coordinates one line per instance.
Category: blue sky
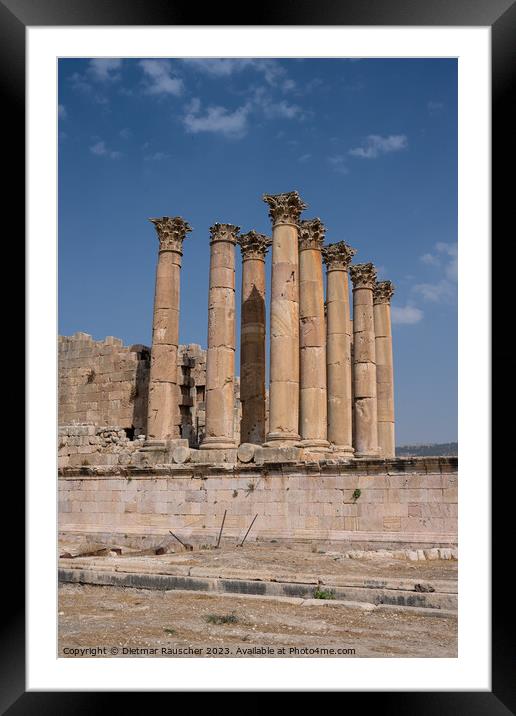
(371, 146)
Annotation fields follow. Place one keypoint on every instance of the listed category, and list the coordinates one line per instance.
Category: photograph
(257, 357)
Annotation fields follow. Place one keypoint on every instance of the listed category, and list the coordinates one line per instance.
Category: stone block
(245, 452)
(450, 494)
(265, 455)
(392, 524)
(431, 554)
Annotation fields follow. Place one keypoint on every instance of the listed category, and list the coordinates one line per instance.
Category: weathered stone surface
(181, 455)
(252, 337)
(220, 370)
(163, 418)
(312, 339)
(364, 361)
(284, 210)
(277, 454)
(245, 452)
(292, 501)
(337, 258)
(382, 294)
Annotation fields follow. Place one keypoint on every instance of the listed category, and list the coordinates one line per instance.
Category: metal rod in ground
(221, 528)
(177, 538)
(252, 523)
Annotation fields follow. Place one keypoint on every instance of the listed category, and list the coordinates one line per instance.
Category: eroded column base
(369, 454)
(315, 445)
(213, 443)
(279, 439)
(342, 451)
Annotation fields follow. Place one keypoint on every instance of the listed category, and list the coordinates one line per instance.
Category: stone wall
(402, 502)
(82, 445)
(104, 383)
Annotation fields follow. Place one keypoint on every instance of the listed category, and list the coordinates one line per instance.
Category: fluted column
(382, 294)
(163, 420)
(312, 337)
(284, 211)
(220, 358)
(252, 337)
(337, 258)
(363, 277)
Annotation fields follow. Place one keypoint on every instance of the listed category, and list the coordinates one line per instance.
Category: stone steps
(426, 594)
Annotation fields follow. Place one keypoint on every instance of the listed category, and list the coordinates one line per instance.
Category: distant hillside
(428, 450)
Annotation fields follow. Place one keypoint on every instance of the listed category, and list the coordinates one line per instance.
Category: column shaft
(284, 210)
(163, 420)
(339, 338)
(312, 339)
(364, 361)
(220, 358)
(384, 368)
(252, 337)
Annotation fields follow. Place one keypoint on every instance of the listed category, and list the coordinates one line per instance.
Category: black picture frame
(500, 16)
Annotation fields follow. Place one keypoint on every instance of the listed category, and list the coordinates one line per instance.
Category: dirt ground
(110, 621)
(124, 622)
(288, 561)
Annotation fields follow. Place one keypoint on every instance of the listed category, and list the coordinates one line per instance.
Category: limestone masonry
(168, 436)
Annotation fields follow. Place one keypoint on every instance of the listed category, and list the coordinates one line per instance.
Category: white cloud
(338, 162)
(304, 158)
(100, 149)
(406, 315)
(272, 71)
(125, 133)
(263, 101)
(94, 81)
(429, 259)
(159, 78)
(218, 67)
(375, 145)
(445, 262)
(450, 249)
(435, 292)
(434, 107)
(156, 157)
(79, 83)
(104, 69)
(61, 111)
(218, 120)
(235, 123)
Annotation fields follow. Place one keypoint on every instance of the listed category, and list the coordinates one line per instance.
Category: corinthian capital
(363, 275)
(254, 245)
(383, 292)
(311, 234)
(171, 232)
(224, 232)
(338, 255)
(284, 208)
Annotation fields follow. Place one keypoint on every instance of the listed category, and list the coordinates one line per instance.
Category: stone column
(220, 359)
(252, 337)
(312, 337)
(337, 258)
(382, 294)
(163, 420)
(364, 361)
(284, 211)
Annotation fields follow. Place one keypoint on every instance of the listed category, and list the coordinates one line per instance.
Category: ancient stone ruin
(177, 438)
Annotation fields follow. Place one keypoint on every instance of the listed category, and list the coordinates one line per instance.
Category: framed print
(258, 258)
